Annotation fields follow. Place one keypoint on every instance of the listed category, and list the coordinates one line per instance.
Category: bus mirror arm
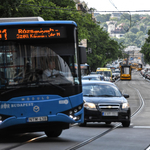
(126, 95)
(82, 53)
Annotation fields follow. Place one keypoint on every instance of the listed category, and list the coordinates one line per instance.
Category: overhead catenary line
(87, 10)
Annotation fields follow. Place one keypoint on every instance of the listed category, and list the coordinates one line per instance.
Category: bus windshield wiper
(57, 86)
(89, 95)
(34, 84)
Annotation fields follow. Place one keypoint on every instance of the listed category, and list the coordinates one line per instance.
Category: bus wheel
(82, 124)
(53, 133)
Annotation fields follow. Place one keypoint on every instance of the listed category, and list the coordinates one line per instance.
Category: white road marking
(142, 127)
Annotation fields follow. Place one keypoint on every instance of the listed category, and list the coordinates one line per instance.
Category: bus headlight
(71, 113)
(125, 105)
(90, 106)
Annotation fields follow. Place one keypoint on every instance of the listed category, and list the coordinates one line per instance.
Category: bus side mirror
(126, 95)
(83, 56)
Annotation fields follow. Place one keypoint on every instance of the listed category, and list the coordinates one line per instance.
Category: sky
(119, 5)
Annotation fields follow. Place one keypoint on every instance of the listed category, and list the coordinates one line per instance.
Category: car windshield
(101, 90)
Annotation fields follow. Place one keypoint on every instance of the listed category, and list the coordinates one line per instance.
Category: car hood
(97, 100)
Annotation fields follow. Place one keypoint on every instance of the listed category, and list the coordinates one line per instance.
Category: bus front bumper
(24, 124)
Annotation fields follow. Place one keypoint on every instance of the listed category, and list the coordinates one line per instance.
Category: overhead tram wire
(81, 10)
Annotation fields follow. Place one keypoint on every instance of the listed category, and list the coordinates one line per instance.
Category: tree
(146, 49)
(64, 3)
(103, 18)
(8, 8)
(125, 16)
(134, 30)
(142, 28)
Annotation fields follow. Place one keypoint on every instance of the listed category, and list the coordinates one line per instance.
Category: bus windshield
(104, 73)
(21, 64)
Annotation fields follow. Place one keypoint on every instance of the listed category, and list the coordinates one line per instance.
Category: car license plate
(109, 113)
(37, 119)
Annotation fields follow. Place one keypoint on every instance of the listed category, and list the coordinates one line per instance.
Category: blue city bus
(30, 100)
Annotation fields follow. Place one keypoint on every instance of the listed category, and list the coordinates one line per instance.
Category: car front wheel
(126, 123)
(108, 122)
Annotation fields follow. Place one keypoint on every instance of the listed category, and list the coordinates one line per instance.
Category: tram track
(93, 138)
(83, 143)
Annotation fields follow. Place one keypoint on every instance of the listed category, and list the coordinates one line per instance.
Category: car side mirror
(126, 95)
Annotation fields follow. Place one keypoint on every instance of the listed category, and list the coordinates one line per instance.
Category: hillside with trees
(135, 27)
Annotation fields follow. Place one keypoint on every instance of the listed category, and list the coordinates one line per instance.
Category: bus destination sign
(32, 33)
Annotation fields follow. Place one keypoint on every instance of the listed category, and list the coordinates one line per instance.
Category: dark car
(103, 102)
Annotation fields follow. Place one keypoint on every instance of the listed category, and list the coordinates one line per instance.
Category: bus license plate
(37, 119)
(107, 113)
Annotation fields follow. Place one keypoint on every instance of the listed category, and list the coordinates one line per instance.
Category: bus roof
(64, 22)
(18, 19)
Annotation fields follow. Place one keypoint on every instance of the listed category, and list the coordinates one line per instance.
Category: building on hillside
(111, 26)
(82, 7)
(115, 31)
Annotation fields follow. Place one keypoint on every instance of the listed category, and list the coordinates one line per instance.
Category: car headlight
(90, 106)
(125, 105)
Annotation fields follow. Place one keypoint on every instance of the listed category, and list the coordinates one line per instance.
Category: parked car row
(145, 73)
(116, 74)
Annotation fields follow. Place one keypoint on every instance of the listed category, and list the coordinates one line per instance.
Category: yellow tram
(139, 67)
(134, 65)
(125, 72)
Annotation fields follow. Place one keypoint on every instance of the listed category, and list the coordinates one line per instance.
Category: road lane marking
(142, 127)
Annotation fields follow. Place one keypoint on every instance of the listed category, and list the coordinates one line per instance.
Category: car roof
(96, 82)
(89, 76)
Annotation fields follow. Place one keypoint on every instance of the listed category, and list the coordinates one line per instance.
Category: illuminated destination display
(32, 33)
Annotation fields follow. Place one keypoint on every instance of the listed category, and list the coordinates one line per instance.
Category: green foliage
(146, 49)
(64, 3)
(142, 28)
(104, 49)
(125, 16)
(134, 30)
(114, 19)
(103, 18)
(8, 8)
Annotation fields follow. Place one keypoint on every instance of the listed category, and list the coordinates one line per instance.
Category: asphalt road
(135, 137)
